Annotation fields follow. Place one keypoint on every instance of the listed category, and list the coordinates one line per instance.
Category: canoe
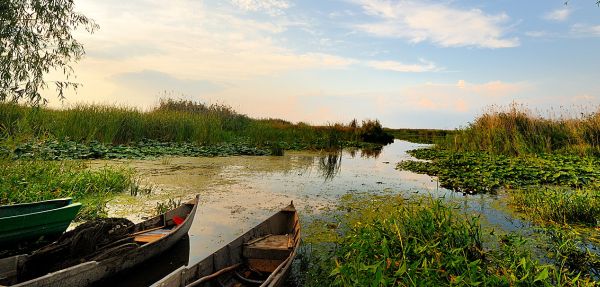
(260, 257)
(32, 221)
(145, 240)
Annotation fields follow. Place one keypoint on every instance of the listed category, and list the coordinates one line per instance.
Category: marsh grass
(170, 121)
(424, 136)
(558, 205)
(517, 130)
(389, 241)
(27, 181)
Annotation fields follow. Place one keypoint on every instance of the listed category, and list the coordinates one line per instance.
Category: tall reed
(516, 130)
(170, 121)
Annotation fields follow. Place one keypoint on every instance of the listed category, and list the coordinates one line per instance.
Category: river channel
(238, 192)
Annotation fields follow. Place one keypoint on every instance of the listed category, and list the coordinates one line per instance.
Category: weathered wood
(264, 265)
(89, 272)
(214, 275)
(283, 224)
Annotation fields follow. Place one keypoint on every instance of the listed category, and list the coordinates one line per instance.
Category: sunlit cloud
(437, 23)
(559, 15)
(424, 66)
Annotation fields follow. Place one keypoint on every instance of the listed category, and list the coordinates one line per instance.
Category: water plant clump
(558, 204)
(389, 241)
(476, 172)
(33, 180)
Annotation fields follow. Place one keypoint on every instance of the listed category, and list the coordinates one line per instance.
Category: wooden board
(274, 247)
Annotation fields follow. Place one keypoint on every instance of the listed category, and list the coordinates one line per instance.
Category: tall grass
(559, 205)
(170, 121)
(516, 130)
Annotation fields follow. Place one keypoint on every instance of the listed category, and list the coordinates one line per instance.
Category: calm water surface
(239, 192)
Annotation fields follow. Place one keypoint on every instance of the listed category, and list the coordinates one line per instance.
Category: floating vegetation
(476, 172)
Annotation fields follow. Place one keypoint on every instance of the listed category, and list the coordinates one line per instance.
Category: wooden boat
(147, 239)
(32, 221)
(260, 257)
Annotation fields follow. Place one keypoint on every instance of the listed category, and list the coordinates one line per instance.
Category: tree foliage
(35, 39)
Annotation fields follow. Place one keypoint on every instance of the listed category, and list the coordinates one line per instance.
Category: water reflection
(330, 164)
(365, 152)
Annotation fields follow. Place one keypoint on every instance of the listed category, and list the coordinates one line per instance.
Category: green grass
(388, 241)
(558, 205)
(27, 181)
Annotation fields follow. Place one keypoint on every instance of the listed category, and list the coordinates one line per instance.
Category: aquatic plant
(475, 172)
(389, 241)
(558, 205)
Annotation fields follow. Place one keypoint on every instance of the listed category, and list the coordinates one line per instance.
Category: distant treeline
(171, 121)
(426, 136)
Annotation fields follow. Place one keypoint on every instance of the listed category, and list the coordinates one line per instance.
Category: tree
(36, 38)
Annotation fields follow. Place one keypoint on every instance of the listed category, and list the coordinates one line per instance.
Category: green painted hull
(30, 221)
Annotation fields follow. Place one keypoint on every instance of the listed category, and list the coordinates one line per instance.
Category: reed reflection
(330, 164)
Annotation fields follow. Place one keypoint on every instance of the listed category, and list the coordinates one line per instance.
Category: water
(238, 192)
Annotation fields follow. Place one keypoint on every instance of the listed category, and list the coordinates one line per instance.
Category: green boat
(31, 221)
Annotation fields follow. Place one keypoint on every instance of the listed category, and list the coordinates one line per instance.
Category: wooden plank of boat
(260, 257)
(114, 260)
(31, 221)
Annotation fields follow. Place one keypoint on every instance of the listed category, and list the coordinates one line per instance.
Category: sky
(410, 64)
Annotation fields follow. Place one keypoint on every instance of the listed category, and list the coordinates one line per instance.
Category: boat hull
(31, 221)
(87, 273)
(285, 221)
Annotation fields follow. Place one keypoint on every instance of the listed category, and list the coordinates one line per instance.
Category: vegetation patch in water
(388, 241)
(475, 172)
(24, 181)
(558, 205)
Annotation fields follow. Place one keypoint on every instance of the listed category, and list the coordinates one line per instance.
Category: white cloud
(424, 66)
(438, 23)
(585, 30)
(271, 7)
(559, 15)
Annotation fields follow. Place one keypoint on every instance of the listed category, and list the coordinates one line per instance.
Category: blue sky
(419, 64)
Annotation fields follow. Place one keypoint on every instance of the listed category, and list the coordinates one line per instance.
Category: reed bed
(517, 130)
(171, 121)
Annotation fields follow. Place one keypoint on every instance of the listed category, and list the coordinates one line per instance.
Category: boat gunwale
(69, 206)
(273, 277)
(84, 266)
